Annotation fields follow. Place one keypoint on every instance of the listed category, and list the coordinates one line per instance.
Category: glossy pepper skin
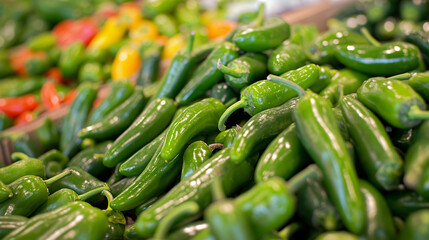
(403, 203)
(10, 223)
(5, 192)
(223, 92)
(118, 120)
(118, 93)
(56, 224)
(195, 155)
(377, 155)
(188, 231)
(315, 208)
(151, 56)
(122, 184)
(71, 59)
(155, 118)
(29, 166)
(263, 126)
(26, 145)
(283, 157)
(244, 70)
(418, 81)
(286, 57)
(88, 160)
(54, 162)
(379, 220)
(48, 134)
(198, 118)
(394, 101)
(264, 94)
(421, 40)
(268, 35)
(156, 178)
(76, 119)
(178, 72)
(233, 177)
(207, 74)
(387, 59)
(416, 226)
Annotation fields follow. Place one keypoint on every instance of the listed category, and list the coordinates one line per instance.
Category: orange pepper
(126, 63)
(173, 45)
(24, 118)
(56, 75)
(112, 32)
(130, 13)
(220, 28)
(14, 106)
(69, 98)
(143, 30)
(49, 95)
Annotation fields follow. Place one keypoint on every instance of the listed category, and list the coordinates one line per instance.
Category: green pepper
(303, 35)
(91, 72)
(153, 8)
(38, 66)
(202, 52)
(150, 56)
(10, 223)
(323, 49)
(230, 136)
(119, 186)
(10, 32)
(79, 181)
(55, 12)
(146, 205)
(416, 226)
(337, 236)
(423, 185)
(188, 231)
(71, 59)
(178, 72)
(283, 157)
(42, 42)
(157, 177)
(5, 122)
(262, 127)
(116, 176)
(166, 25)
(196, 188)
(64, 196)
(263, 95)
(204, 235)
(394, 101)
(223, 93)
(321, 137)
(376, 153)
(421, 40)
(116, 220)
(207, 74)
(198, 118)
(28, 166)
(75, 220)
(188, 13)
(379, 220)
(96, 55)
(418, 81)
(29, 192)
(5, 66)
(195, 155)
(413, 10)
(15, 87)
(118, 93)
(118, 120)
(315, 208)
(27, 145)
(244, 70)
(48, 134)
(91, 160)
(54, 162)
(76, 119)
(286, 57)
(349, 80)
(403, 203)
(155, 118)
(5, 192)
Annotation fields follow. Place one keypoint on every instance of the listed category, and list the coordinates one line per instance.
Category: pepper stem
(369, 37)
(217, 189)
(184, 209)
(190, 45)
(297, 181)
(242, 103)
(16, 156)
(226, 70)
(403, 76)
(283, 81)
(415, 113)
(230, 102)
(108, 196)
(58, 177)
(85, 196)
(259, 20)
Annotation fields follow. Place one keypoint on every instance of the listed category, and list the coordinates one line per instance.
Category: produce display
(269, 131)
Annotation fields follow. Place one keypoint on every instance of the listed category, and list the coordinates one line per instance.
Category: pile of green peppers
(279, 132)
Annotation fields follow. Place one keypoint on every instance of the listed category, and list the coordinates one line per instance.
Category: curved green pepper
(262, 127)
(207, 74)
(264, 94)
(200, 117)
(146, 205)
(418, 81)
(54, 162)
(337, 236)
(91, 72)
(223, 93)
(394, 101)
(118, 120)
(5, 122)
(116, 220)
(48, 134)
(377, 155)
(151, 56)
(286, 57)
(10, 223)
(5, 192)
(421, 40)
(416, 226)
(71, 59)
(187, 232)
(166, 25)
(119, 186)
(230, 136)
(283, 157)
(403, 203)
(244, 70)
(195, 155)
(15, 87)
(29, 166)
(144, 129)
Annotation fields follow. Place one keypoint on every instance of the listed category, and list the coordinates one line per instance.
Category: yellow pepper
(142, 31)
(112, 32)
(126, 63)
(173, 45)
(130, 13)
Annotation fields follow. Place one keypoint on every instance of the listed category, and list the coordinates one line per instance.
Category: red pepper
(14, 106)
(24, 118)
(56, 75)
(69, 98)
(70, 31)
(50, 98)
(20, 56)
